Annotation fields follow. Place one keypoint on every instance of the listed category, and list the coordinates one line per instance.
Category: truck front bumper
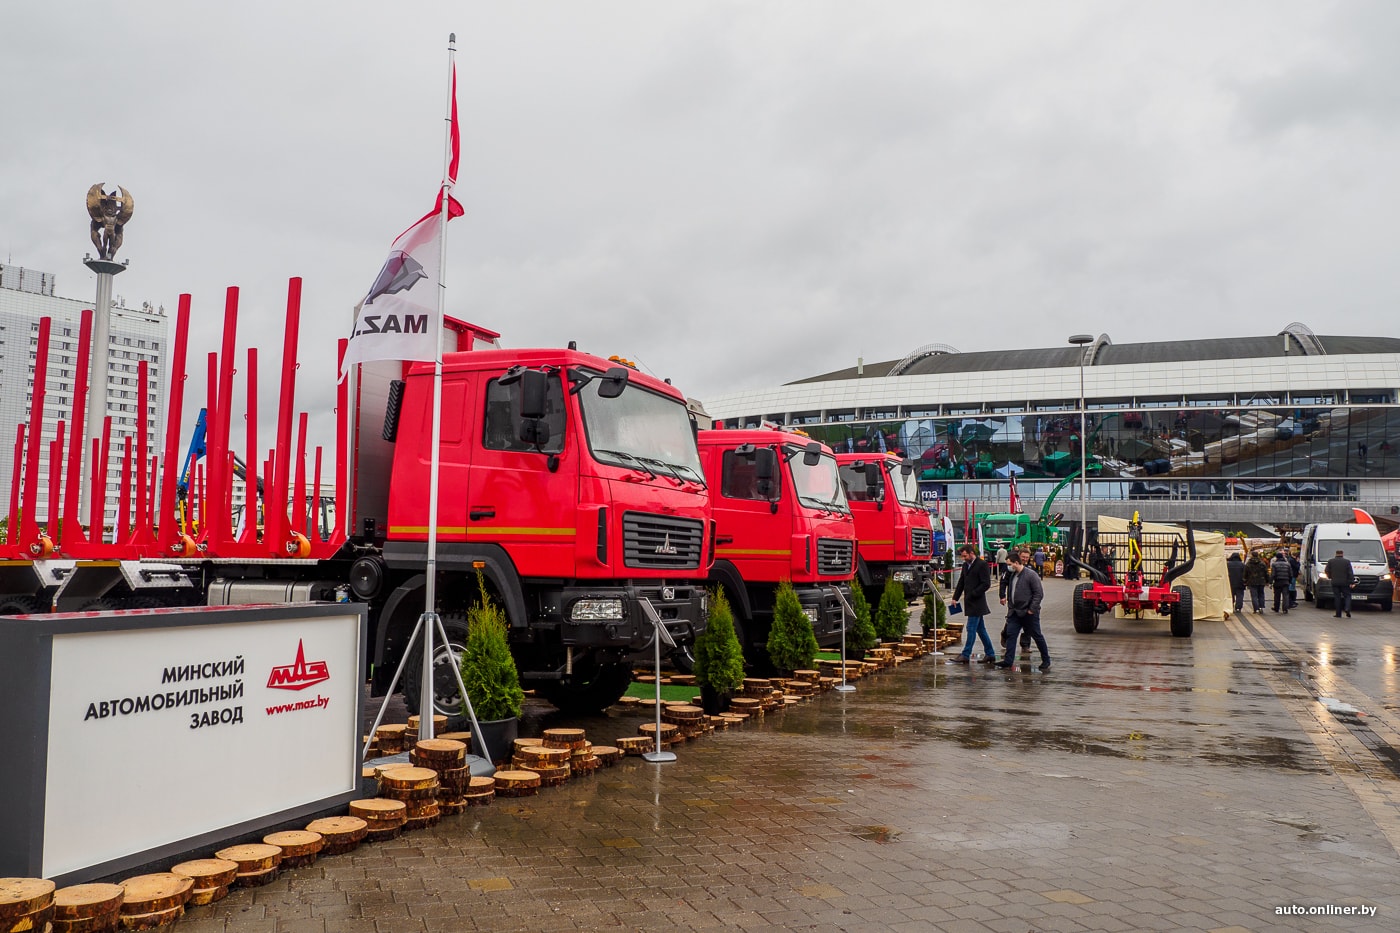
(613, 617)
(825, 611)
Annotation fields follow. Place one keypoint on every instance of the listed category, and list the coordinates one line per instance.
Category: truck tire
(1183, 614)
(1086, 620)
(607, 685)
(19, 605)
(448, 699)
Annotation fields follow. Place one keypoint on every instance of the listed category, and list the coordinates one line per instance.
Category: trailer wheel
(1086, 620)
(447, 699)
(1183, 616)
(19, 605)
(595, 694)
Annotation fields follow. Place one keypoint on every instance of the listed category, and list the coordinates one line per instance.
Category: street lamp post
(1080, 341)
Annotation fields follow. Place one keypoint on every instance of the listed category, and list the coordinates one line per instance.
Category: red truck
(894, 535)
(573, 484)
(780, 515)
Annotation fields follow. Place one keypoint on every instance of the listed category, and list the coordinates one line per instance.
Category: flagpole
(427, 706)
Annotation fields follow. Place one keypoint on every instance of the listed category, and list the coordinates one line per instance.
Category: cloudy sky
(735, 194)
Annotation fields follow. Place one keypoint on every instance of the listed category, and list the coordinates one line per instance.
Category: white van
(1362, 546)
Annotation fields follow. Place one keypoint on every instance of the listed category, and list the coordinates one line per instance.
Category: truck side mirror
(766, 472)
(906, 468)
(812, 453)
(614, 381)
(534, 387)
(875, 482)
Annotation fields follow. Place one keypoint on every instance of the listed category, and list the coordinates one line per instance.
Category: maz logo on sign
(300, 674)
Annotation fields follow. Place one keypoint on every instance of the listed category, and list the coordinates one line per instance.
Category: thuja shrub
(935, 613)
(488, 669)
(860, 637)
(719, 659)
(792, 645)
(892, 615)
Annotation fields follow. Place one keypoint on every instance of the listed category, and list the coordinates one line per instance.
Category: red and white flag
(398, 318)
(1015, 499)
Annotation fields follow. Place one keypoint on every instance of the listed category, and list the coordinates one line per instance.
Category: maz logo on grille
(666, 547)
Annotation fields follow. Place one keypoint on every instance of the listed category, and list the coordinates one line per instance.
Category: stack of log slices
(417, 789)
(670, 734)
(211, 876)
(411, 734)
(153, 902)
(574, 742)
(688, 720)
(299, 847)
(390, 739)
(517, 783)
(341, 833)
(448, 759)
(85, 908)
(748, 706)
(551, 764)
(607, 755)
(385, 818)
(26, 904)
(636, 744)
(480, 790)
(258, 863)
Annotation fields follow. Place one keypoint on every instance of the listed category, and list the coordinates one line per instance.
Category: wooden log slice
(422, 822)
(683, 680)
(543, 756)
(104, 923)
(449, 753)
(384, 835)
(609, 755)
(296, 842)
(378, 810)
(454, 780)
(697, 700)
(553, 777)
(564, 738)
(381, 770)
(453, 808)
(256, 879)
(518, 744)
(200, 897)
(393, 732)
(647, 704)
(161, 891)
(152, 920)
(22, 896)
(299, 861)
(439, 722)
(207, 872)
(585, 764)
(427, 793)
(669, 731)
(745, 704)
(36, 920)
(807, 675)
(634, 744)
(422, 808)
(479, 800)
(409, 779)
(683, 714)
(516, 783)
(339, 830)
(480, 784)
(630, 701)
(82, 901)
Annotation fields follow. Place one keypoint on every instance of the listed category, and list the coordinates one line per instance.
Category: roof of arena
(1105, 353)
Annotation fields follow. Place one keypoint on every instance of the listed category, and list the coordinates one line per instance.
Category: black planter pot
(499, 737)
(714, 702)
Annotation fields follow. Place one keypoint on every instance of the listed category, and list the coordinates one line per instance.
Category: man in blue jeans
(1024, 595)
(973, 585)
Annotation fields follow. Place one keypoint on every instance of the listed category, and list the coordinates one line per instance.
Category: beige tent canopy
(1209, 581)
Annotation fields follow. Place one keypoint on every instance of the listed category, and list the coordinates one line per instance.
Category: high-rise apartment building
(136, 335)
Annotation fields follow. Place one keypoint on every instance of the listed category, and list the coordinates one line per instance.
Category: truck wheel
(18, 605)
(607, 685)
(447, 699)
(1183, 615)
(1086, 620)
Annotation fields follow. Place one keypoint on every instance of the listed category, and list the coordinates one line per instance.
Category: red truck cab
(574, 486)
(894, 535)
(780, 515)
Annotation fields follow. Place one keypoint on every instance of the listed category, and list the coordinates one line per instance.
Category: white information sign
(159, 735)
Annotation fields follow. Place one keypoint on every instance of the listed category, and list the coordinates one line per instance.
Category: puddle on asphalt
(880, 834)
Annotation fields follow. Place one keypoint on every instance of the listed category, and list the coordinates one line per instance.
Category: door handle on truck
(477, 515)
(724, 541)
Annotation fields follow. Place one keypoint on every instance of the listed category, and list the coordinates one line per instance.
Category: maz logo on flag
(300, 674)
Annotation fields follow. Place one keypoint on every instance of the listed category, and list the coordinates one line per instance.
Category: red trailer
(1118, 565)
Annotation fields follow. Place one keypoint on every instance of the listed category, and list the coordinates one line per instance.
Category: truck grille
(660, 541)
(921, 542)
(834, 557)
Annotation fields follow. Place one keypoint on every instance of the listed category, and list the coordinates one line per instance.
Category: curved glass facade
(1191, 450)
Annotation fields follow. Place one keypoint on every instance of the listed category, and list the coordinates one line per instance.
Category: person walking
(1281, 573)
(973, 585)
(1024, 594)
(1256, 576)
(1040, 560)
(1234, 567)
(1293, 584)
(1001, 561)
(1342, 577)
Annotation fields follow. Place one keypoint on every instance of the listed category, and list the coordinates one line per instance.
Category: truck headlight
(810, 613)
(596, 610)
(904, 576)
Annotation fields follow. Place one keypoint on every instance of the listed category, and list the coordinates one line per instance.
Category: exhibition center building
(1280, 430)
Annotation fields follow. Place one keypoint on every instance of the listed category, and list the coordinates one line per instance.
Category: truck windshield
(1002, 529)
(1354, 549)
(906, 488)
(819, 486)
(641, 426)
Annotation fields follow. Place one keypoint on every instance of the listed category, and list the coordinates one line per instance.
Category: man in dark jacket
(1342, 578)
(1293, 584)
(1256, 577)
(1235, 568)
(1281, 573)
(1024, 595)
(973, 585)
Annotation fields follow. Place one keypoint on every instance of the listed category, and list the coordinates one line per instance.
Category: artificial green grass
(828, 655)
(668, 691)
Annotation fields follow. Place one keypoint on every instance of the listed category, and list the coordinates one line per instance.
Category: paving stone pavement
(1143, 783)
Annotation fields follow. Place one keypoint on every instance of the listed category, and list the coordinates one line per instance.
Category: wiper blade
(623, 455)
(670, 469)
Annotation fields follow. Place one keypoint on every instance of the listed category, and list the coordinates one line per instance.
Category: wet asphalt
(1144, 783)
